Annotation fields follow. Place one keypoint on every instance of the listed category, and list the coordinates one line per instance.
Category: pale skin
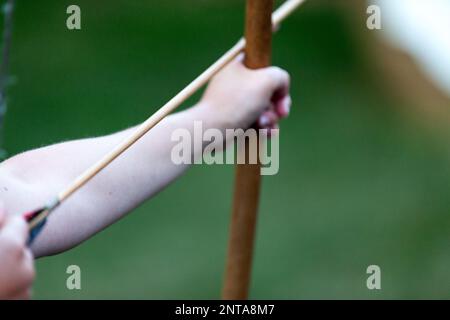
(16, 269)
(235, 98)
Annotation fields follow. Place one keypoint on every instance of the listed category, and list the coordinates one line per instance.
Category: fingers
(282, 106)
(280, 103)
(23, 289)
(24, 276)
(17, 260)
(267, 119)
(23, 295)
(274, 79)
(14, 232)
(245, 96)
(277, 80)
(277, 83)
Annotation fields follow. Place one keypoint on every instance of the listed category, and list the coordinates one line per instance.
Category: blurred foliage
(360, 184)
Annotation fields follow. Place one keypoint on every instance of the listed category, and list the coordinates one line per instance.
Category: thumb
(15, 228)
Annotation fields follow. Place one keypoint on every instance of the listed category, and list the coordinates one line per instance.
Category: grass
(359, 183)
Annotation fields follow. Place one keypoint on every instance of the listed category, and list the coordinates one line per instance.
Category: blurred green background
(360, 183)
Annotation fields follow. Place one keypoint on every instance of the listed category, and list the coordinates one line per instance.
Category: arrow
(37, 218)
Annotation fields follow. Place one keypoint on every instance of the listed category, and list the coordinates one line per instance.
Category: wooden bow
(258, 36)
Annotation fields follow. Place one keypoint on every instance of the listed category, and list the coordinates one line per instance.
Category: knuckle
(276, 69)
(274, 77)
(283, 74)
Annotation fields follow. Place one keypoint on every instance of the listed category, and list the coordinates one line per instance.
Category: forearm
(141, 172)
(235, 98)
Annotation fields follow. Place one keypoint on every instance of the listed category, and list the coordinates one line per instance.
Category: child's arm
(16, 260)
(236, 98)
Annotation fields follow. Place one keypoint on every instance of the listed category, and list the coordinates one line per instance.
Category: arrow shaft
(283, 12)
(256, 60)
